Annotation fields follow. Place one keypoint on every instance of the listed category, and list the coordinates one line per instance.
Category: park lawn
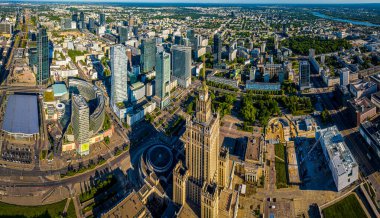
(279, 150)
(50, 210)
(281, 178)
(349, 207)
(280, 166)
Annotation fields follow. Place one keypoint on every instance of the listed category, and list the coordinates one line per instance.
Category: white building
(343, 166)
(119, 79)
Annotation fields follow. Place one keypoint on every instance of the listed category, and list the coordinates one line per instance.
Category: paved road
(62, 182)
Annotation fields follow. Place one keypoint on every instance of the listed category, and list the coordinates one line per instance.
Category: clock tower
(203, 104)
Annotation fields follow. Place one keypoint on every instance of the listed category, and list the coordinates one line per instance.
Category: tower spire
(204, 72)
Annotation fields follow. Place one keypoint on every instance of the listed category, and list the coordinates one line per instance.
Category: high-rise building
(190, 33)
(162, 87)
(74, 17)
(65, 23)
(135, 31)
(81, 16)
(6, 27)
(91, 24)
(203, 159)
(148, 55)
(43, 68)
(123, 34)
(304, 75)
(182, 65)
(344, 76)
(102, 19)
(119, 76)
(217, 48)
(80, 122)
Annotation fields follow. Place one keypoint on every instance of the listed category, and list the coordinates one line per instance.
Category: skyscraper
(163, 78)
(123, 34)
(80, 122)
(203, 156)
(91, 24)
(74, 17)
(217, 48)
(148, 55)
(102, 19)
(119, 77)
(304, 75)
(81, 16)
(43, 68)
(182, 65)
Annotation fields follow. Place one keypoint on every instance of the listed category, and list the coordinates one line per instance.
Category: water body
(361, 23)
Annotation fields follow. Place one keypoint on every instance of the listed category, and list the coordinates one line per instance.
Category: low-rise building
(361, 110)
(342, 163)
(362, 88)
(371, 134)
(131, 206)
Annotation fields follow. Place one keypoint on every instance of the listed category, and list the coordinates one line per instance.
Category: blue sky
(232, 1)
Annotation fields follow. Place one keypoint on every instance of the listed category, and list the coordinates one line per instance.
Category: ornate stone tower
(180, 176)
(224, 168)
(209, 207)
(201, 140)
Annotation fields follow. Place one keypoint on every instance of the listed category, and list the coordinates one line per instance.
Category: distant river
(361, 23)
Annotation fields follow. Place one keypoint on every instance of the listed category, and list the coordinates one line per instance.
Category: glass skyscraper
(148, 52)
(162, 75)
(217, 48)
(182, 65)
(119, 77)
(102, 19)
(43, 69)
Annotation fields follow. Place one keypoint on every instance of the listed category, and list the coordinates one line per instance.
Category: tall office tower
(276, 43)
(123, 34)
(284, 29)
(311, 53)
(131, 20)
(217, 48)
(43, 68)
(344, 76)
(91, 24)
(190, 33)
(119, 77)
(135, 30)
(80, 121)
(102, 19)
(162, 87)
(263, 46)
(177, 39)
(81, 16)
(148, 55)
(182, 65)
(304, 75)
(65, 23)
(74, 17)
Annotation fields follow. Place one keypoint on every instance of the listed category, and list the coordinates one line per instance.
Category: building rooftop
(21, 115)
(362, 105)
(137, 85)
(131, 206)
(252, 153)
(362, 85)
(59, 89)
(338, 152)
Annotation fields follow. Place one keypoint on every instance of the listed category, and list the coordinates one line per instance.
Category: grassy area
(50, 210)
(279, 150)
(349, 207)
(280, 165)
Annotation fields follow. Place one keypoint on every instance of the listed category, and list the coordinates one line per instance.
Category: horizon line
(192, 3)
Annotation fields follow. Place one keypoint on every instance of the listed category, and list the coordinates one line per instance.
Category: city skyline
(329, 2)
